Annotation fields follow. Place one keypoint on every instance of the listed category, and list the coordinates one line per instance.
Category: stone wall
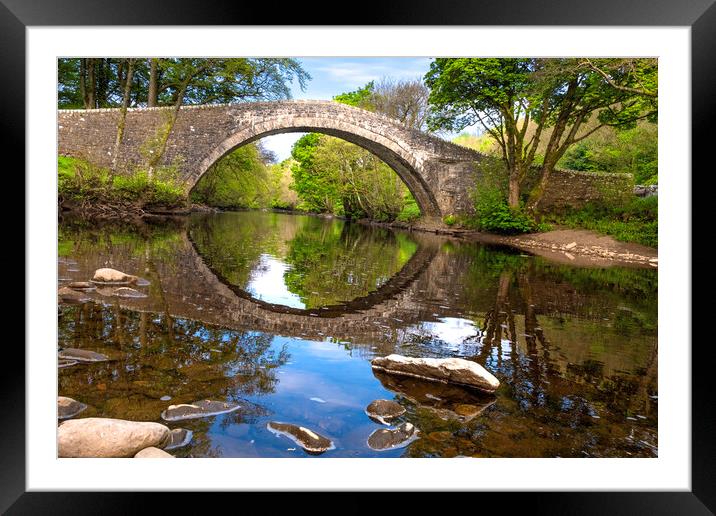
(573, 189)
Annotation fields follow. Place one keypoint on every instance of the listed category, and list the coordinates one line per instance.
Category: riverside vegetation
(536, 115)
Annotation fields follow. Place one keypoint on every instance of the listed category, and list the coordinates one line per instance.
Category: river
(283, 313)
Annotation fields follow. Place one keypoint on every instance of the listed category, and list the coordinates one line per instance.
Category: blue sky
(332, 76)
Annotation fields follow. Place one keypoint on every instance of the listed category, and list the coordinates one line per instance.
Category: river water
(283, 313)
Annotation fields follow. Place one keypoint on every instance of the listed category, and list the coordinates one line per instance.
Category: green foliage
(410, 211)
(239, 180)
(506, 95)
(632, 150)
(450, 220)
(362, 97)
(80, 181)
(334, 176)
(205, 81)
(636, 221)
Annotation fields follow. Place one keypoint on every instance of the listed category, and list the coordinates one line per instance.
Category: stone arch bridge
(439, 174)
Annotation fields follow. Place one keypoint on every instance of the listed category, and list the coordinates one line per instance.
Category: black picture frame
(700, 15)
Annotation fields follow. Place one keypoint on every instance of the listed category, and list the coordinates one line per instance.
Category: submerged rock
(127, 292)
(203, 408)
(153, 453)
(448, 401)
(81, 285)
(113, 276)
(106, 437)
(447, 370)
(388, 439)
(179, 437)
(70, 296)
(82, 355)
(67, 407)
(62, 362)
(384, 410)
(303, 437)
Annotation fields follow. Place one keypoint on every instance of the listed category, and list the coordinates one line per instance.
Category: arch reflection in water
(575, 350)
(299, 264)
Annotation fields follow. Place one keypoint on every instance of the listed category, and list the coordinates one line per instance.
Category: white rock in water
(201, 408)
(82, 355)
(446, 370)
(307, 439)
(106, 437)
(112, 276)
(153, 453)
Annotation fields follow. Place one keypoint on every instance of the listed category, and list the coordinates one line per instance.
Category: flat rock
(70, 296)
(62, 362)
(67, 407)
(179, 437)
(106, 437)
(113, 276)
(81, 285)
(446, 370)
(202, 408)
(127, 292)
(82, 355)
(384, 410)
(303, 437)
(153, 453)
(388, 439)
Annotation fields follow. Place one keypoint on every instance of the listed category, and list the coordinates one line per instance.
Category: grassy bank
(635, 221)
(81, 185)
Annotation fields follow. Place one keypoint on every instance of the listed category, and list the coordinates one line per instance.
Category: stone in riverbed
(70, 296)
(179, 437)
(113, 276)
(67, 407)
(387, 439)
(106, 437)
(384, 410)
(82, 355)
(307, 439)
(202, 408)
(127, 292)
(446, 370)
(153, 453)
(62, 362)
(81, 285)
(447, 401)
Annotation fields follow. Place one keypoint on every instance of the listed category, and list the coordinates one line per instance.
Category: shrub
(493, 214)
(450, 220)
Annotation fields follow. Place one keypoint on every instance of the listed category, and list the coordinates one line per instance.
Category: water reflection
(299, 262)
(575, 349)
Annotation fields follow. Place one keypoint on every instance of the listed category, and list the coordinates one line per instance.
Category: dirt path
(573, 246)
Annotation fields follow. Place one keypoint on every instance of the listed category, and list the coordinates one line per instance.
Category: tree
(404, 100)
(508, 95)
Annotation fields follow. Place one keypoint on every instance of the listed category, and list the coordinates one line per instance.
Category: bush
(493, 214)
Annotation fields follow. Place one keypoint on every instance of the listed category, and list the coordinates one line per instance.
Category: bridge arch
(440, 174)
(403, 162)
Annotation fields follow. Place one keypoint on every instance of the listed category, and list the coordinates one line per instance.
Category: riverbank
(578, 247)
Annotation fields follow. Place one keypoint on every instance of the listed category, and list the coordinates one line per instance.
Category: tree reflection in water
(575, 349)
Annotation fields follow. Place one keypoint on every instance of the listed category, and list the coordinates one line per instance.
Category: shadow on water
(575, 349)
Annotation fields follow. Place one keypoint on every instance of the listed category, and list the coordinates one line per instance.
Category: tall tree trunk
(513, 192)
(123, 112)
(153, 83)
(90, 84)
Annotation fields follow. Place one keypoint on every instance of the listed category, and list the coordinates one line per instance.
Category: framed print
(284, 350)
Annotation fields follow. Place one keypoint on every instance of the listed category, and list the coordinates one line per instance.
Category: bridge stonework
(441, 175)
